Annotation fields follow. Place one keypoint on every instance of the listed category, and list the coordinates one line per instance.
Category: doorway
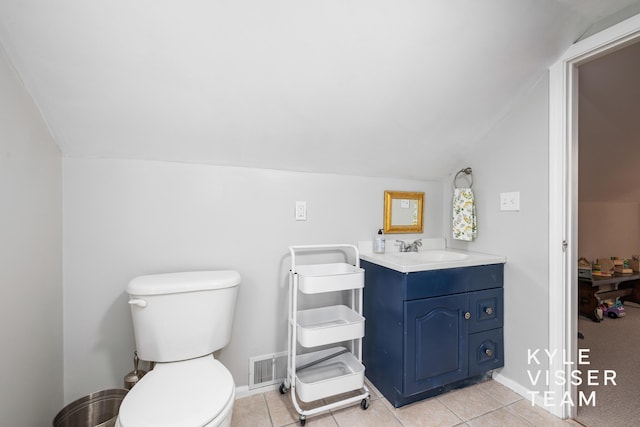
(609, 225)
(563, 198)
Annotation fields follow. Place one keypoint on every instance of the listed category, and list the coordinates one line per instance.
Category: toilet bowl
(195, 393)
(179, 320)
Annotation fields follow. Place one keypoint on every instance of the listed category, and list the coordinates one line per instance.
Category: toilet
(179, 320)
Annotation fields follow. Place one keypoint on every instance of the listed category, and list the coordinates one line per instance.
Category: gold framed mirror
(403, 211)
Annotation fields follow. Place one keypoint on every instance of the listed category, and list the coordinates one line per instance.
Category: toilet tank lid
(173, 283)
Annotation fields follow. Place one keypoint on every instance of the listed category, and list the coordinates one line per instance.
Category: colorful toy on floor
(613, 309)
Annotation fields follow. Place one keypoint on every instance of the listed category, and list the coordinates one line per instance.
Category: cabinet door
(436, 347)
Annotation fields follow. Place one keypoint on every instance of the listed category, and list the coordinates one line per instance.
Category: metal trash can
(99, 409)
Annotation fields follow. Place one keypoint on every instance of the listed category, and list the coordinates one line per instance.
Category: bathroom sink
(433, 256)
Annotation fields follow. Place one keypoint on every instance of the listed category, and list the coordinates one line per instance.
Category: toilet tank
(179, 316)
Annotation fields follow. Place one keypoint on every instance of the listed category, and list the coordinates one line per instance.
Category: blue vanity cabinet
(430, 331)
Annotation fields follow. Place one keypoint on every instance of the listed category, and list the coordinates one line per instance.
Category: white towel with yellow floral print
(464, 215)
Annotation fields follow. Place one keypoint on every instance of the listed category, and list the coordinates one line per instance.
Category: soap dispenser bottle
(378, 243)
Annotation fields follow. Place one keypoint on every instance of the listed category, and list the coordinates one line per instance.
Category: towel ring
(466, 171)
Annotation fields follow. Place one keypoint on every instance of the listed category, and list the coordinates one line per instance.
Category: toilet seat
(190, 393)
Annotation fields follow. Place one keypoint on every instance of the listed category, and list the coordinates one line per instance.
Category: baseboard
(244, 391)
(522, 391)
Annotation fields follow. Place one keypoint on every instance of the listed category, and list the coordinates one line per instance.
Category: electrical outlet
(510, 201)
(301, 211)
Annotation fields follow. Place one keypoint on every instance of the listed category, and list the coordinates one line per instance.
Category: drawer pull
(489, 310)
(467, 315)
(488, 352)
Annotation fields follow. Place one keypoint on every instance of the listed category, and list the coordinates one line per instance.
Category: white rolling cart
(335, 367)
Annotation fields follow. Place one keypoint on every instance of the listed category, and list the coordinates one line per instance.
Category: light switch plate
(301, 211)
(510, 201)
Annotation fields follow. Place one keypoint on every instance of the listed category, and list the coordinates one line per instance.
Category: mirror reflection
(403, 211)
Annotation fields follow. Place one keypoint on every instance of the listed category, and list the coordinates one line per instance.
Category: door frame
(563, 202)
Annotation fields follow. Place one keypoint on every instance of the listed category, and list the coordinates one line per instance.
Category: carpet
(614, 345)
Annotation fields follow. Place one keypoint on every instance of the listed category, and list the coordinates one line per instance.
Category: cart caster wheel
(283, 389)
(364, 404)
(303, 420)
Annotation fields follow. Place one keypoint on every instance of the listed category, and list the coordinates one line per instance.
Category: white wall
(607, 229)
(514, 157)
(125, 218)
(31, 254)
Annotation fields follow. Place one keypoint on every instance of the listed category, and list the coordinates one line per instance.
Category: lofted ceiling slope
(365, 87)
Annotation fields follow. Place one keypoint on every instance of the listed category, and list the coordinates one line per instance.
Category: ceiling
(333, 86)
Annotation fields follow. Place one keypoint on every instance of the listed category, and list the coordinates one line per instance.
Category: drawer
(486, 308)
(449, 281)
(486, 351)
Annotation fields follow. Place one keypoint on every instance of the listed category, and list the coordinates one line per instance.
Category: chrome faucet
(411, 247)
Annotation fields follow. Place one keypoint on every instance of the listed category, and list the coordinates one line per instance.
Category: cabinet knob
(489, 310)
(488, 352)
(467, 315)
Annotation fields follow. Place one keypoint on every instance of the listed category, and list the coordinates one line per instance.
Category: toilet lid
(188, 393)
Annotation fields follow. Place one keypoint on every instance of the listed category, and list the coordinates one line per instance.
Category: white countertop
(428, 259)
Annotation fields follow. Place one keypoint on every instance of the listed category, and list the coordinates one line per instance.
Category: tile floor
(485, 404)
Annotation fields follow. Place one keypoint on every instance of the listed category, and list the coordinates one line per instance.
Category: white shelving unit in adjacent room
(325, 343)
